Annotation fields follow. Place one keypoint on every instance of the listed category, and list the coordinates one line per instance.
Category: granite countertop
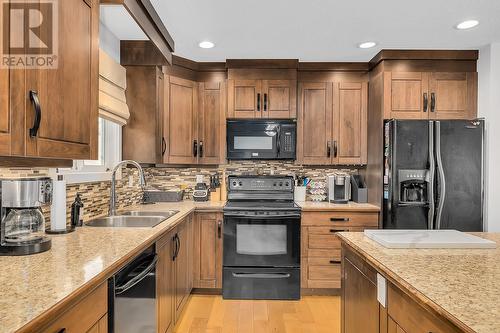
(327, 206)
(32, 285)
(462, 285)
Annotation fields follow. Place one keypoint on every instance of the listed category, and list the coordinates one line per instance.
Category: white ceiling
(315, 30)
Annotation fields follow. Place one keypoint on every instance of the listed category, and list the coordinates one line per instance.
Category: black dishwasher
(132, 296)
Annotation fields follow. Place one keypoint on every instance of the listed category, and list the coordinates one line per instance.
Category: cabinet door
(211, 122)
(279, 99)
(208, 251)
(164, 281)
(406, 95)
(68, 95)
(5, 112)
(181, 269)
(181, 121)
(350, 123)
(453, 96)
(359, 297)
(393, 327)
(244, 99)
(101, 326)
(315, 123)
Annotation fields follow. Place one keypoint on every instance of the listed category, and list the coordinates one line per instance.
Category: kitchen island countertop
(462, 285)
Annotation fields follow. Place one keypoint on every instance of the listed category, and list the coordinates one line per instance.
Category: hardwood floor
(212, 314)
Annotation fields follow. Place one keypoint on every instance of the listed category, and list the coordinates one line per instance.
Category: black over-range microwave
(264, 139)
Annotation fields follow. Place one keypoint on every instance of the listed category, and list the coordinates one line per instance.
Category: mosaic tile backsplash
(95, 195)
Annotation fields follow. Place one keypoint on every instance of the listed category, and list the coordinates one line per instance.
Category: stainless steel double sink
(132, 219)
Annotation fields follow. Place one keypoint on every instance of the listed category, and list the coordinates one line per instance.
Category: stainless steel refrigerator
(433, 174)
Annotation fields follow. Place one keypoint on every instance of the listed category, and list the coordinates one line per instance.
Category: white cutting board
(428, 239)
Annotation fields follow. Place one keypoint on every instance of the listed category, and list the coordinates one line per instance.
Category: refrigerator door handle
(432, 174)
(442, 180)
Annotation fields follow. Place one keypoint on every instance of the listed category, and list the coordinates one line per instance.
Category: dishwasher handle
(138, 278)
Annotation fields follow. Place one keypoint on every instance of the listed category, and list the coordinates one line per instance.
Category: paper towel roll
(58, 207)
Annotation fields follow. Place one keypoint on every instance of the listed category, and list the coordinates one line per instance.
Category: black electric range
(261, 239)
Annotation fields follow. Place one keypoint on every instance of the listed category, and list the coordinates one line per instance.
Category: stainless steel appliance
(261, 139)
(201, 191)
(339, 188)
(22, 226)
(261, 257)
(132, 296)
(433, 176)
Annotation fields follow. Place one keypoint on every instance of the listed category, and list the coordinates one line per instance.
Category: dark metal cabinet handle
(265, 102)
(328, 149)
(174, 239)
(163, 146)
(433, 102)
(219, 229)
(334, 230)
(62, 330)
(38, 113)
(339, 219)
(335, 262)
(195, 148)
(178, 246)
(426, 102)
(201, 148)
(335, 148)
(258, 102)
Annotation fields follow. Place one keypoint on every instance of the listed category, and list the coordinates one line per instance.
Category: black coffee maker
(22, 224)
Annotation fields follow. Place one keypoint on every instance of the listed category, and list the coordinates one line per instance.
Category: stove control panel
(263, 183)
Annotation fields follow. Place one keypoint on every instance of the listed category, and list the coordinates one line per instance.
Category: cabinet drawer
(323, 276)
(323, 241)
(340, 218)
(411, 317)
(328, 254)
(82, 317)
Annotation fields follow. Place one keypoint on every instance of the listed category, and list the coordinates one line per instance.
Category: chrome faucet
(142, 183)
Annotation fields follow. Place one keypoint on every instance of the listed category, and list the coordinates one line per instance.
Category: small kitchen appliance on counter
(22, 225)
(201, 191)
(339, 188)
(261, 257)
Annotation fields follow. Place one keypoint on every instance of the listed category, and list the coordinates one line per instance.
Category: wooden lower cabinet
(362, 312)
(320, 248)
(89, 315)
(165, 292)
(208, 250)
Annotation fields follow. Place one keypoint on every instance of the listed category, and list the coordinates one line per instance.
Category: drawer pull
(335, 262)
(339, 219)
(334, 231)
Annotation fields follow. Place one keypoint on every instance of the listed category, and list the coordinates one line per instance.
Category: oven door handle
(138, 278)
(262, 275)
(262, 217)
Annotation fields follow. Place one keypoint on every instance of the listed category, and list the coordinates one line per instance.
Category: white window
(109, 154)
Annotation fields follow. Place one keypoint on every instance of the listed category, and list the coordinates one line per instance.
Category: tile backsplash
(95, 195)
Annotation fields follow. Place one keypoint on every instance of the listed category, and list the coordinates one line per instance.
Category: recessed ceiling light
(206, 44)
(367, 45)
(467, 24)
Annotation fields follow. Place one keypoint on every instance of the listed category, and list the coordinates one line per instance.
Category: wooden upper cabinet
(142, 136)
(406, 95)
(208, 250)
(453, 95)
(315, 123)
(5, 119)
(279, 99)
(253, 99)
(180, 121)
(244, 99)
(332, 123)
(68, 95)
(211, 122)
(350, 123)
(430, 95)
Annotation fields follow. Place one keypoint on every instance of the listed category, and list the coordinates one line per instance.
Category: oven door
(252, 140)
(262, 241)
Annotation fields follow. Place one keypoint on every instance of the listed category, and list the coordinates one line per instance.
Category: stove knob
(240, 183)
(274, 184)
(281, 184)
(234, 183)
(287, 184)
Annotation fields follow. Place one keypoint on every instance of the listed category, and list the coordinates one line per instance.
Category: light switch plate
(381, 290)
